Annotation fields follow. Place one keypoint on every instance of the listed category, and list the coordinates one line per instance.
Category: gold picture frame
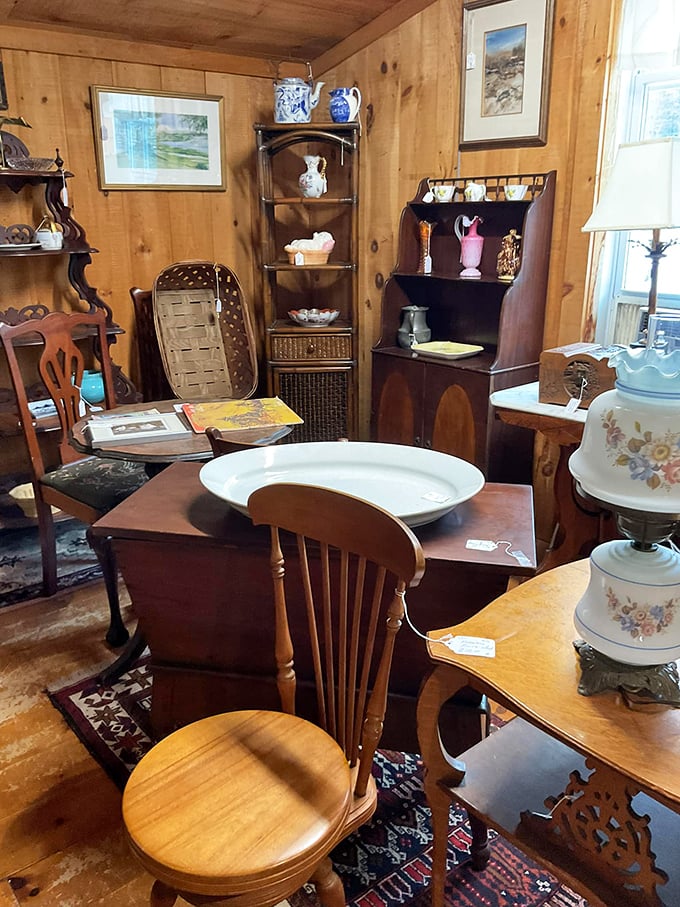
(505, 74)
(158, 139)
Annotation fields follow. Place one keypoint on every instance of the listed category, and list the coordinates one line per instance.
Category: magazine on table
(239, 415)
(135, 428)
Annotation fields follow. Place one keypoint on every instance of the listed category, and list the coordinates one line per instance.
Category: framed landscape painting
(158, 140)
(505, 73)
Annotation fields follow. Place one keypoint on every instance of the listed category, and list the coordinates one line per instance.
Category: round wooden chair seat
(216, 808)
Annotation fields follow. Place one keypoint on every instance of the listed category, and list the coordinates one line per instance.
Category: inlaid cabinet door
(397, 415)
(455, 412)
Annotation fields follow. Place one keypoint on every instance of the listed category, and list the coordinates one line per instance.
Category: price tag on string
(573, 404)
(470, 645)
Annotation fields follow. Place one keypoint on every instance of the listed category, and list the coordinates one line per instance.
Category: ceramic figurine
(508, 257)
(344, 104)
(313, 181)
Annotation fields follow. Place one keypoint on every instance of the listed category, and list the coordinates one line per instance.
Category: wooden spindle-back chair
(248, 805)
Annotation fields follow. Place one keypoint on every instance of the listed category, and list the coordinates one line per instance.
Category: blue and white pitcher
(294, 99)
(344, 104)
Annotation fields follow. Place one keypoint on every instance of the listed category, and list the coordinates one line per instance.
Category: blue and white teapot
(294, 99)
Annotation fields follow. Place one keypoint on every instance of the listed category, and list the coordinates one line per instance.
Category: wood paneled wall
(409, 78)
(410, 82)
(137, 233)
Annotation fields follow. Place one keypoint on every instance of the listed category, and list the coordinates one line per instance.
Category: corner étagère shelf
(312, 368)
(444, 404)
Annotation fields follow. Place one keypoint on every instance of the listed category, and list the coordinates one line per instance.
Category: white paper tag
(436, 497)
(471, 645)
(571, 405)
(520, 557)
(427, 264)
(470, 61)
(299, 258)
(481, 544)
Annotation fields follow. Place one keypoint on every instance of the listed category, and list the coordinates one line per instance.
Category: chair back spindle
(346, 567)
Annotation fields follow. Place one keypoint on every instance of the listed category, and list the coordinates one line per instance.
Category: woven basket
(311, 256)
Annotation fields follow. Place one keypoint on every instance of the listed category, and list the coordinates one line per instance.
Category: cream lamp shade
(643, 189)
(642, 193)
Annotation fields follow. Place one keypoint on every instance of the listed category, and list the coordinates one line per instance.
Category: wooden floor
(61, 838)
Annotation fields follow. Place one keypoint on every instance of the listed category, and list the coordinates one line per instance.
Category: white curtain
(650, 34)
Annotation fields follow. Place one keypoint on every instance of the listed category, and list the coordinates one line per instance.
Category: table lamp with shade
(642, 193)
(629, 462)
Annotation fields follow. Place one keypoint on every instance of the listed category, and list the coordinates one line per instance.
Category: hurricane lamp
(629, 462)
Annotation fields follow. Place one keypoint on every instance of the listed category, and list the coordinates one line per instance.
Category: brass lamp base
(648, 683)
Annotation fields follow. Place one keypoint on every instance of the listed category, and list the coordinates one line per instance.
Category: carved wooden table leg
(441, 768)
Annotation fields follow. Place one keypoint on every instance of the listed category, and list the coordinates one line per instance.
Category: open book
(238, 415)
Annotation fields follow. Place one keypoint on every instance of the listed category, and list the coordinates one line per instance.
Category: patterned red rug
(384, 864)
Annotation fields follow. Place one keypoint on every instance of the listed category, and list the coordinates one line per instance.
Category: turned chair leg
(48, 547)
(117, 634)
(329, 887)
(480, 849)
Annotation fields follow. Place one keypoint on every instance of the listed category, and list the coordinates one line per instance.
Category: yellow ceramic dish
(447, 349)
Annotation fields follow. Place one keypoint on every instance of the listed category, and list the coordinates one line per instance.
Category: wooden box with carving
(576, 371)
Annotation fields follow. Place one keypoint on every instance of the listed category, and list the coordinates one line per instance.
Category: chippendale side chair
(84, 487)
(247, 805)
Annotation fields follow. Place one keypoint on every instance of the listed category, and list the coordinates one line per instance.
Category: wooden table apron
(199, 579)
(535, 674)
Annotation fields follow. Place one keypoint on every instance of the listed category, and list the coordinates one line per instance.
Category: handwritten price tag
(470, 645)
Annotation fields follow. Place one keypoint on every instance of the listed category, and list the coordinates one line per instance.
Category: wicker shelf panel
(311, 347)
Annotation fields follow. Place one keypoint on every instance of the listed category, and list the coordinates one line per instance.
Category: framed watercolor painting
(505, 73)
(158, 140)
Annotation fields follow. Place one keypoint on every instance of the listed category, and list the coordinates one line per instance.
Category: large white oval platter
(417, 485)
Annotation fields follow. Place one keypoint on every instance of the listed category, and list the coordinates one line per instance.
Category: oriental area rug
(384, 864)
(20, 559)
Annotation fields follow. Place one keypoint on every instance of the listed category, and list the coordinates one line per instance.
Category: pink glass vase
(471, 245)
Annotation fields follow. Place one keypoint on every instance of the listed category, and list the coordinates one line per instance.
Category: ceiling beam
(54, 40)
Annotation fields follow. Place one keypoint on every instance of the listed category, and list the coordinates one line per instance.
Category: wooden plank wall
(137, 232)
(410, 81)
(409, 78)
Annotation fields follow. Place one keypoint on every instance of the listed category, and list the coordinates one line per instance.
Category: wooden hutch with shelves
(21, 259)
(444, 403)
(313, 369)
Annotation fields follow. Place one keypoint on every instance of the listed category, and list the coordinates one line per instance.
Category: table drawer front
(320, 346)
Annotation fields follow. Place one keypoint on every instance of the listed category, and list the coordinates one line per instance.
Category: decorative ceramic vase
(294, 100)
(313, 181)
(413, 327)
(471, 245)
(344, 104)
(92, 388)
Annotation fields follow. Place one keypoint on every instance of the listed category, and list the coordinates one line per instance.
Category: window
(648, 100)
